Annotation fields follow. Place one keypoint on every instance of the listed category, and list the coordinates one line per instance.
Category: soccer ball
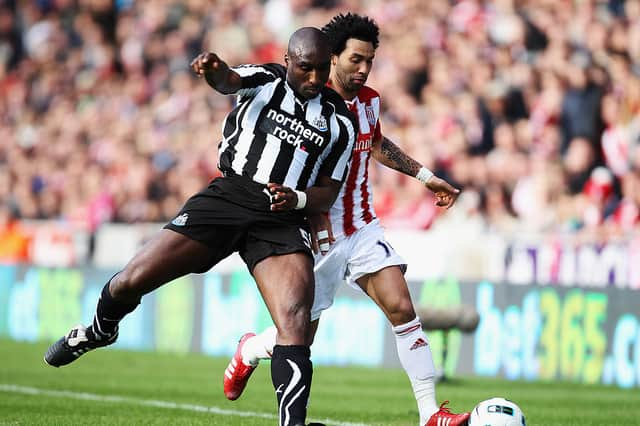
(497, 412)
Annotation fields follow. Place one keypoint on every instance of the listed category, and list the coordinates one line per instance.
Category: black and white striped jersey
(272, 135)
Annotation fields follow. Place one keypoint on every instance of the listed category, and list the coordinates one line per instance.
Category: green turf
(357, 395)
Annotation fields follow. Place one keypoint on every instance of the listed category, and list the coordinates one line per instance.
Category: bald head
(307, 38)
(308, 61)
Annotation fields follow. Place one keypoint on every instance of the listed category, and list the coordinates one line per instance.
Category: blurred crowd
(531, 107)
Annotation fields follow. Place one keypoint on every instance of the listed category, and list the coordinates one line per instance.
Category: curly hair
(343, 27)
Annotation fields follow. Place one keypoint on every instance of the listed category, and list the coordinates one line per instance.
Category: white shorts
(349, 258)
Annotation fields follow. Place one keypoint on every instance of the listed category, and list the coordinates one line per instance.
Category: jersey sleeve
(255, 77)
(336, 163)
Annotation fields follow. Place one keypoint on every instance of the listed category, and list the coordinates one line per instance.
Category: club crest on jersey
(320, 123)
(371, 115)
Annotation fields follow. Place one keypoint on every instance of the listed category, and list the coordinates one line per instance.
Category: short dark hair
(343, 27)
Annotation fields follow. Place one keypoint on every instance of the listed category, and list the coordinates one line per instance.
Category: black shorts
(233, 214)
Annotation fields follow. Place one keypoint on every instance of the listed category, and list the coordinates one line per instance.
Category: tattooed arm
(389, 154)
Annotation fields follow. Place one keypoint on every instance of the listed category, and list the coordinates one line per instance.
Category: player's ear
(334, 59)
(286, 59)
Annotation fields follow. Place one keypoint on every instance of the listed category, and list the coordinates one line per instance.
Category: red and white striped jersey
(354, 206)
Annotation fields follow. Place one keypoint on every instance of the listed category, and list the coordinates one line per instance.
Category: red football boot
(444, 417)
(237, 373)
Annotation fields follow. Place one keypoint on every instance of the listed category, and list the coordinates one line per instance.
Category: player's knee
(401, 311)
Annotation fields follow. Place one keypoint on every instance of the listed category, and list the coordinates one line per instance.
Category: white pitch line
(153, 403)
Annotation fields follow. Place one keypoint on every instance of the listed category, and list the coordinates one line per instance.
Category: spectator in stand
(14, 240)
(581, 105)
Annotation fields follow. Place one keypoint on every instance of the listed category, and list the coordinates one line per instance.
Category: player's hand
(209, 63)
(321, 233)
(446, 195)
(283, 198)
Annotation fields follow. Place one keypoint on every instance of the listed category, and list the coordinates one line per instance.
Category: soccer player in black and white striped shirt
(284, 155)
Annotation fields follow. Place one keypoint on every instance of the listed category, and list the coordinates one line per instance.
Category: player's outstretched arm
(217, 73)
(389, 154)
(315, 199)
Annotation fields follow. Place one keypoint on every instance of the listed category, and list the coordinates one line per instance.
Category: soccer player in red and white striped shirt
(351, 239)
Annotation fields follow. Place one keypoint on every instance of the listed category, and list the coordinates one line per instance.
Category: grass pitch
(111, 387)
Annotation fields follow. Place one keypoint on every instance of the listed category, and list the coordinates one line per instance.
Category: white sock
(259, 346)
(416, 359)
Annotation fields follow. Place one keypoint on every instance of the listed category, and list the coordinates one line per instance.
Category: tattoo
(392, 156)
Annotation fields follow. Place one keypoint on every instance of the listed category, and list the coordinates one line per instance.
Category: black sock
(291, 372)
(109, 313)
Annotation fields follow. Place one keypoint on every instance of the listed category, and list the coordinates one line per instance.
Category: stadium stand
(533, 111)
